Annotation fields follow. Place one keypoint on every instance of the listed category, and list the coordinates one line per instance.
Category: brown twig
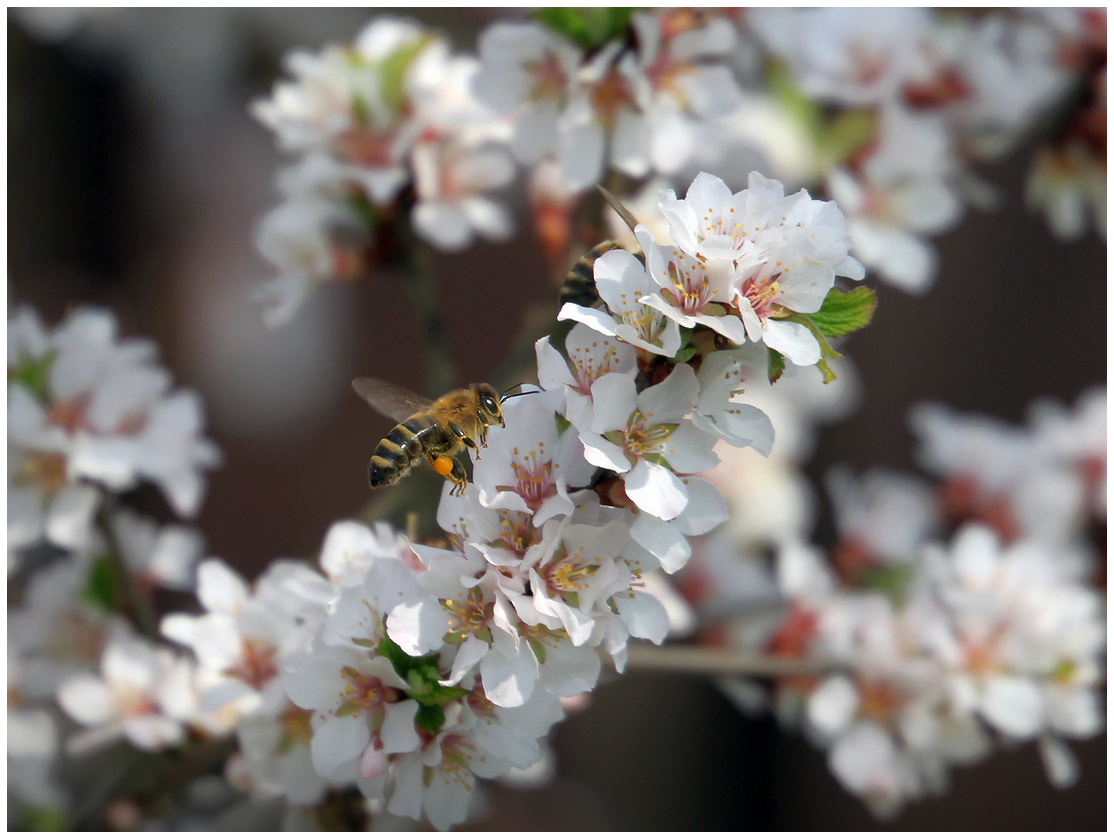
(710, 661)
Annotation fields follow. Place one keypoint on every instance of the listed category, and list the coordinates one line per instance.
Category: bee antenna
(507, 393)
(626, 215)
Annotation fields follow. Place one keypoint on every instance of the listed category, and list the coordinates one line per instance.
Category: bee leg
(458, 477)
(464, 438)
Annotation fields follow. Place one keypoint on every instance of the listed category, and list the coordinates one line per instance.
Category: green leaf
(430, 718)
(775, 366)
(538, 647)
(684, 355)
(890, 580)
(591, 28)
(826, 350)
(34, 374)
(799, 106)
(842, 136)
(48, 820)
(392, 73)
(103, 586)
(845, 312)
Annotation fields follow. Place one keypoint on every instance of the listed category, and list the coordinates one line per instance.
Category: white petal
(220, 589)
(706, 509)
(656, 490)
(70, 516)
(832, 706)
(793, 340)
(418, 627)
(153, 733)
(87, 699)
(509, 682)
(644, 616)
(1013, 705)
(614, 398)
(663, 539)
(339, 739)
(861, 756)
(398, 732)
(570, 670)
(1060, 764)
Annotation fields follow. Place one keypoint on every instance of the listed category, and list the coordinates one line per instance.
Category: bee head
(488, 405)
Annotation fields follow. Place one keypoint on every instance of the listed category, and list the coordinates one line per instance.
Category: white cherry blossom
(587, 358)
(632, 432)
(133, 697)
(623, 281)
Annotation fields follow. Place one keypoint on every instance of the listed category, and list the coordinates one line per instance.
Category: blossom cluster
(384, 127)
(435, 664)
(91, 416)
(946, 618)
(887, 111)
(936, 645)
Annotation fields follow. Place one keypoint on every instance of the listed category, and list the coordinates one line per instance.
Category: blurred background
(136, 179)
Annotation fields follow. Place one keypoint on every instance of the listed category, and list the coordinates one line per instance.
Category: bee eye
(489, 403)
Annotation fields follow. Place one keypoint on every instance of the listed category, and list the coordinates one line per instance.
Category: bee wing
(390, 400)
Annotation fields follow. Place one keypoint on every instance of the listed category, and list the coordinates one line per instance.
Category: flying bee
(580, 283)
(436, 430)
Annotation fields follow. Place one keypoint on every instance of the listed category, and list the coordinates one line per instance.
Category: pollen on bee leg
(442, 465)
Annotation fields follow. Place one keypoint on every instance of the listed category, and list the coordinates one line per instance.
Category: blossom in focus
(782, 254)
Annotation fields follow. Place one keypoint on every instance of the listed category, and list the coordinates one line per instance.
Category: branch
(710, 661)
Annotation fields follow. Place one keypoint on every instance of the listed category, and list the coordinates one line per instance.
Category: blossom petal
(656, 490)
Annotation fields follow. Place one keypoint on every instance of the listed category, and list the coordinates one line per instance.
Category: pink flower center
(256, 666)
(550, 80)
(571, 573)
(466, 617)
(691, 288)
(533, 477)
(587, 367)
(763, 294)
(518, 532)
(362, 692)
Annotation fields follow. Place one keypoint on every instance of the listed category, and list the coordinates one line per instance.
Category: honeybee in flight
(435, 430)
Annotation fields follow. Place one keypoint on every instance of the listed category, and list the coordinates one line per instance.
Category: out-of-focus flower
(86, 410)
(163, 556)
(135, 696)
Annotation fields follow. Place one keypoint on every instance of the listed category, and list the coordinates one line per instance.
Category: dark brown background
(136, 179)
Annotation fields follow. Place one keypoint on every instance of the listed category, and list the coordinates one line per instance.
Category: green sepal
(591, 27)
(890, 580)
(392, 73)
(391, 651)
(563, 424)
(33, 374)
(430, 718)
(363, 209)
(46, 820)
(834, 138)
(421, 675)
(839, 138)
(775, 366)
(826, 350)
(845, 312)
(684, 355)
(103, 586)
(538, 647)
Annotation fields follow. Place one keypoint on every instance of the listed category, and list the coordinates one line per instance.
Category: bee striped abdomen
(580, 283)
(399, 450)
